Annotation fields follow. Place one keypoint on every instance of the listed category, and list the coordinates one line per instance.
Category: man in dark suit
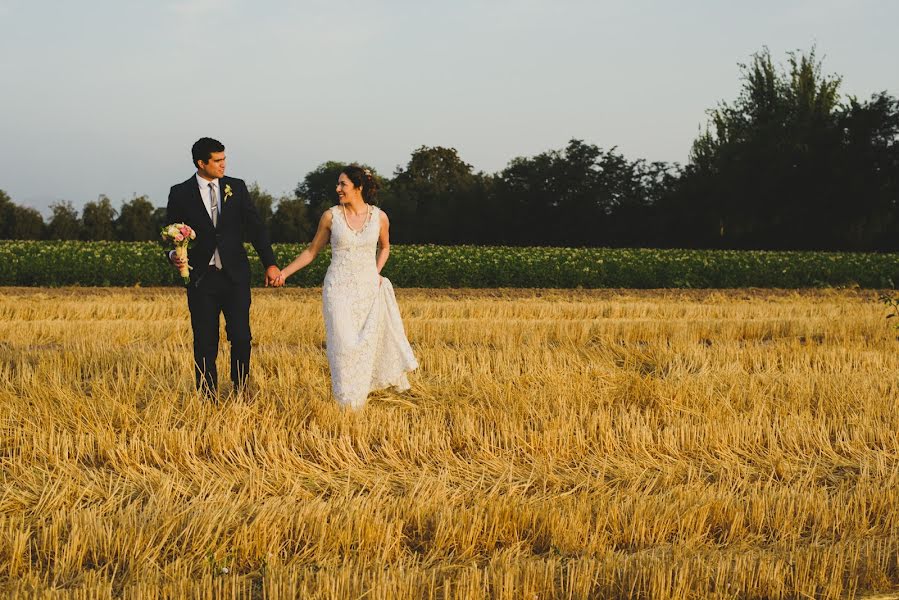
(220, 211)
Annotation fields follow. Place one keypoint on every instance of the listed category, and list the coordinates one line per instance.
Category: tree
(19, 222)
(160, 219)
(64, 224)
(781, 167)
(7, 210)
(636, 190)
(98, 220)
(28, 224)
(317, 189)
(582, 195)
(291, 222)
(542, 193)
(871, 166)
(437, 198)
(263, 201)
(135, 222)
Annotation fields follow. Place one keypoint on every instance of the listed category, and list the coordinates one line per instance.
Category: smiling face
(214, 168)
(346, 191)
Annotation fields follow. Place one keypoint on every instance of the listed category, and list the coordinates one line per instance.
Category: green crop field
(142, 263)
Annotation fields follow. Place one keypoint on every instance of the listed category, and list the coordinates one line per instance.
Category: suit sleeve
(173, 212)
(256, 231)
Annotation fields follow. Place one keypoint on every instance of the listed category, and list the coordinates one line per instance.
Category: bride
(366, 343)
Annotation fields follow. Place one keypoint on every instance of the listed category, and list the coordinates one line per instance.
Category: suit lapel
(222, 204)
(197, 199)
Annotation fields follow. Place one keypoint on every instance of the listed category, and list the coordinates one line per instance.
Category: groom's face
(214, 168)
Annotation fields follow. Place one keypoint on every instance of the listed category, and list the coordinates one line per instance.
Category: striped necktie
(214, 211)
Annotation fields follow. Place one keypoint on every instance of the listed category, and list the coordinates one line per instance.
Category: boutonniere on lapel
(228, 193)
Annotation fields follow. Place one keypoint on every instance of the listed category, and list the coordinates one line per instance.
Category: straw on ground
(554, 445)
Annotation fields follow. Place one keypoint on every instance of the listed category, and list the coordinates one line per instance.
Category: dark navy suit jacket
(237, 214)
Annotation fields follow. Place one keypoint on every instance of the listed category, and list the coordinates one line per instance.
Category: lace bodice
(353, 273)
(353, 251)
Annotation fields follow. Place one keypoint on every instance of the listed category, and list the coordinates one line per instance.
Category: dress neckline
(371, 211)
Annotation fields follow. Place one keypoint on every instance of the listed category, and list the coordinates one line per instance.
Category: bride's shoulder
(381, 214)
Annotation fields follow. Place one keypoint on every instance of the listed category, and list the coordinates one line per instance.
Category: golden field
(555, 444)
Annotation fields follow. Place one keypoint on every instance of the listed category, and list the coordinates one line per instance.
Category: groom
(220, 211)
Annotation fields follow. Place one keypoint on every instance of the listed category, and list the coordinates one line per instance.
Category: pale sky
(107, 96)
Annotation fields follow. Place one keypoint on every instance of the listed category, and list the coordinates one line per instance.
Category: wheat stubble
(555, 444)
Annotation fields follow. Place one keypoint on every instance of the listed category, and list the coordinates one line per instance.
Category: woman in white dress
(366, 343)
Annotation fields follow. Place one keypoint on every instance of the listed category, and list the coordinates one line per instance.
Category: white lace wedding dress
(366, 343)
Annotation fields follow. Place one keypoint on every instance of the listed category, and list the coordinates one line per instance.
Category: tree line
(789, 164)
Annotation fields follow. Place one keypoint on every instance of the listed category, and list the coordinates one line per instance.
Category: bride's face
(346, 191)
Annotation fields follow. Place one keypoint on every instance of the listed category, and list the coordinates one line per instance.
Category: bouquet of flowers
(180, 235)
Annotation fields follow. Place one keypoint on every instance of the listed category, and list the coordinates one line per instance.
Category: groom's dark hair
(203, 149)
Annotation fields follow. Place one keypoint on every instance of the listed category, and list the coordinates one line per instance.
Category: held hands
(273, 277)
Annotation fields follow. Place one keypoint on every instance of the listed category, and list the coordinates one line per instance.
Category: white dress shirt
(207, 201)
(204, 193)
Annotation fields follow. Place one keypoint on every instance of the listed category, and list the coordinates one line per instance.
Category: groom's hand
(271, 276)
(173, 258)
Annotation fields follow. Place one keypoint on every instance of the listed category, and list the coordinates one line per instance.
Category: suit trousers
(208, 297)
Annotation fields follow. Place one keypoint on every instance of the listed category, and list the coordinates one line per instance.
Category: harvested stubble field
(555, 444)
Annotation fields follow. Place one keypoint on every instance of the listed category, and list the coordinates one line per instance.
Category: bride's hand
(280, 279)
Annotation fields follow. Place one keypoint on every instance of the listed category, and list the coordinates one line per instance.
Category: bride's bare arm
(383, 242)
(322, 235)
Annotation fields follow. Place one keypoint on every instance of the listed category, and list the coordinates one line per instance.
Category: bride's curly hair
(363, 177)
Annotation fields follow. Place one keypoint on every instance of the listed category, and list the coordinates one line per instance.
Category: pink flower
(179, 238)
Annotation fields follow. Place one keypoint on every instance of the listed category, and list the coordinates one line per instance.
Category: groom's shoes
(207, 387)
(209, 394)
(206, 378)
(240, 391)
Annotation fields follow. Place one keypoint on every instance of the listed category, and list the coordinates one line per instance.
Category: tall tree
(159, 219)
(291, 221)
(98, 220)
(64, 224)
(135, 222)
(870, 163)
(437, 198)
(264, 202)
(19, 222)
(771, 169)
(581, 195)
(28, 224)
(317, 189)
(7, 210)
